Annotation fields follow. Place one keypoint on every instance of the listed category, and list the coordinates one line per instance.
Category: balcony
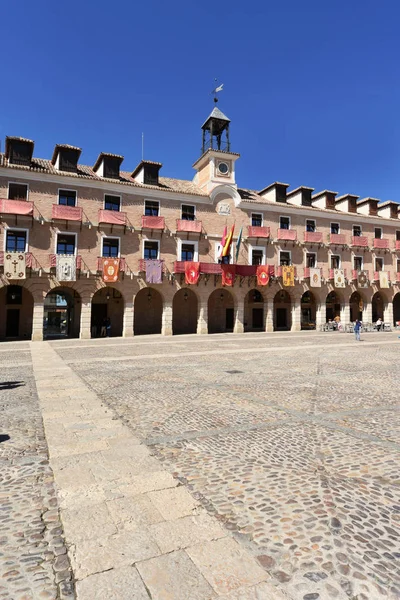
(122, 263)
(142, 264)
(278, 271)
(361, 241)
(53, 261)
(355, 272)
(188, 226)
(337, 238)
(313, 237)
(16, 207)
(112, 217)
(153, 223)
(397, 244)
(381, 243)
(66, 213)
(287, 235)
(376, 276)
(254, 231)
(332, 273)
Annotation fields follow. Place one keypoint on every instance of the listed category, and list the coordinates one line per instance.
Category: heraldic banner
(383, 279)
(192, 272)
(15, 265)
(66, 267)
(110, 270)
(228, 274)
(338, 278)
(288, 276)
(262, 275)
(362, 279)
(315, 277)
(154, 271)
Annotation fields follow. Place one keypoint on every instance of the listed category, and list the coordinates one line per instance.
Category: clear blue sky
(312, 88)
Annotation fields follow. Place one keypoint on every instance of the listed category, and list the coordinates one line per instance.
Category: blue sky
(312, 88)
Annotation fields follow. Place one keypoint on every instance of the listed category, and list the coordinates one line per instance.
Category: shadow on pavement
(9, 385)
(4, 438)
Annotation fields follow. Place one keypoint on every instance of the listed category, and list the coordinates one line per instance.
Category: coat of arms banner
(315, 277)
(15, 265)
(66, 267)
(338, 275)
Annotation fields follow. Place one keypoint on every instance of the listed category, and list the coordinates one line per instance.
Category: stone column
(320, 317)
(37, 321)
(269, 314)
(296, 314)
(367, 312)
(388, 313)
(202, 318)
(128, 320)
(345, 313)
(239, 317)
(86, 317)
(166, 327)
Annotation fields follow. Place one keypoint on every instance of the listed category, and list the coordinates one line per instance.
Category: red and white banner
(110, 270)
(192, 272)
(228, 274)
(262, 275)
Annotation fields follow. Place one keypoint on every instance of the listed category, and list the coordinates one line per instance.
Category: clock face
(223, 168)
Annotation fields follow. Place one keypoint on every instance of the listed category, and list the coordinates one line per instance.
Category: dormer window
(188, 212)
(147, 172)
(112, 202)
(17, 191)
(65, 158)
(108, 165)
(67, 197)
(151, 208)
(19, 151)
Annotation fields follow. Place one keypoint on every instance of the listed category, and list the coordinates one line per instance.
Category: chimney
(19, 151)
(147, 172)
(108, 165)
(65, 157)
(301, 196)
(324, 199)
(276, 192)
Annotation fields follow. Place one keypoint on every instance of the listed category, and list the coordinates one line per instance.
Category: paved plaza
(239, 467)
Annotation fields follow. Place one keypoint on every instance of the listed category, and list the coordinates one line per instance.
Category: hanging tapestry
(383, 279)
(338, 278)
(110, 270)
(228, 274)
(154, 271)
(315, 277)
(66, 267)
(15, 265)
(362, 279)
(262, 275)
(192, 272)
(288, 276)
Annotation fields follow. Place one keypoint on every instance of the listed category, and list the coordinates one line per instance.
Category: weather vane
(217, 89)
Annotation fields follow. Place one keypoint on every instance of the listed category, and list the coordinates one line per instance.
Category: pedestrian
(357, 328)
(108, 327)
(379, 324)
(103, 330)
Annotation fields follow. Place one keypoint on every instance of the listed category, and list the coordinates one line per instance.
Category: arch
(107, 309)
(62, 313)
(333, 306)
(221, 312)
(254, 311)
(148, 310)
(378, 306)
(228, 190)
(184, 312)
(356, 304)
(308, 311)
(282, 311)
(16, 313)
(396, 309)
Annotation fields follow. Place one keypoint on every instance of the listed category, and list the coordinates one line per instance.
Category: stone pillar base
(85, 334)
(202, 330)
(239, 328)
(37, 336)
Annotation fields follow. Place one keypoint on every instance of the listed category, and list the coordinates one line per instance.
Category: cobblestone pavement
(289, 440)
(33, 560)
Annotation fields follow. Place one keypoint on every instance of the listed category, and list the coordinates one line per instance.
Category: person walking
(357, 329)
(103, 329)
(379, 324)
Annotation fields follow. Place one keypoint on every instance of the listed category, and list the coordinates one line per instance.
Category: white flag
(66, 267)
(315, 277)
(15, 265)
(338, 275)
(219, 88)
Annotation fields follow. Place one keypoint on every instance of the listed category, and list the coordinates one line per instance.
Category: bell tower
(216, 132)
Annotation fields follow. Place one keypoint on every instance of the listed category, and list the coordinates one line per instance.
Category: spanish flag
(227, 246)
(223, 239)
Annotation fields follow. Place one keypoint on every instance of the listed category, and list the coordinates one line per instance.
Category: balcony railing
(53, 260)
(112, 217)
(256, 231)
(122, 263)
(188, 226)
(337, 238)
(153, 222)
(359, 240)
(332, 273)
(376, 275)
(397, 244)
(142, 264)
(314, 237)
(278, 271)
(16, 207)
(66, 213)
(355, 272)
(209, 268)
(287, 234)
(381, 243)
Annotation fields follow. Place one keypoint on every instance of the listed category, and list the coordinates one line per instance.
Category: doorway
(281, 318)
(258, 318)
(12, 326)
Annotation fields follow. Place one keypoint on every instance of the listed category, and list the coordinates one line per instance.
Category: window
(257, 256)
(151, 208)
(335, 262)
(398, 266)
(357, 230)
(335, 228)
(256, 220)
(112, 202)
(358, 263)
(15, 241)
(378, 233)
(65, 244)
(188, 252)
(67, 197)
(398, 236)
(310, 225)
(379, 264)
(311, 260)
(284, 222)
(188, 212)
(285, 259)
(150, 250)
(110, 247)
(17, 191)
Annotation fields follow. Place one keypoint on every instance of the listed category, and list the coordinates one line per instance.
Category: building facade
(63, 223)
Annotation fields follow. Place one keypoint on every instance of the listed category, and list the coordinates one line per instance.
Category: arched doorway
(107, 307)
(396, 309)
(220, 312)
(282, 311)
(62, 314)
(16, 313)
(356, 307)
(332, 306)
(148, 310)
(308, 311)
(184, 312)
(378, 307)
(254, 311)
